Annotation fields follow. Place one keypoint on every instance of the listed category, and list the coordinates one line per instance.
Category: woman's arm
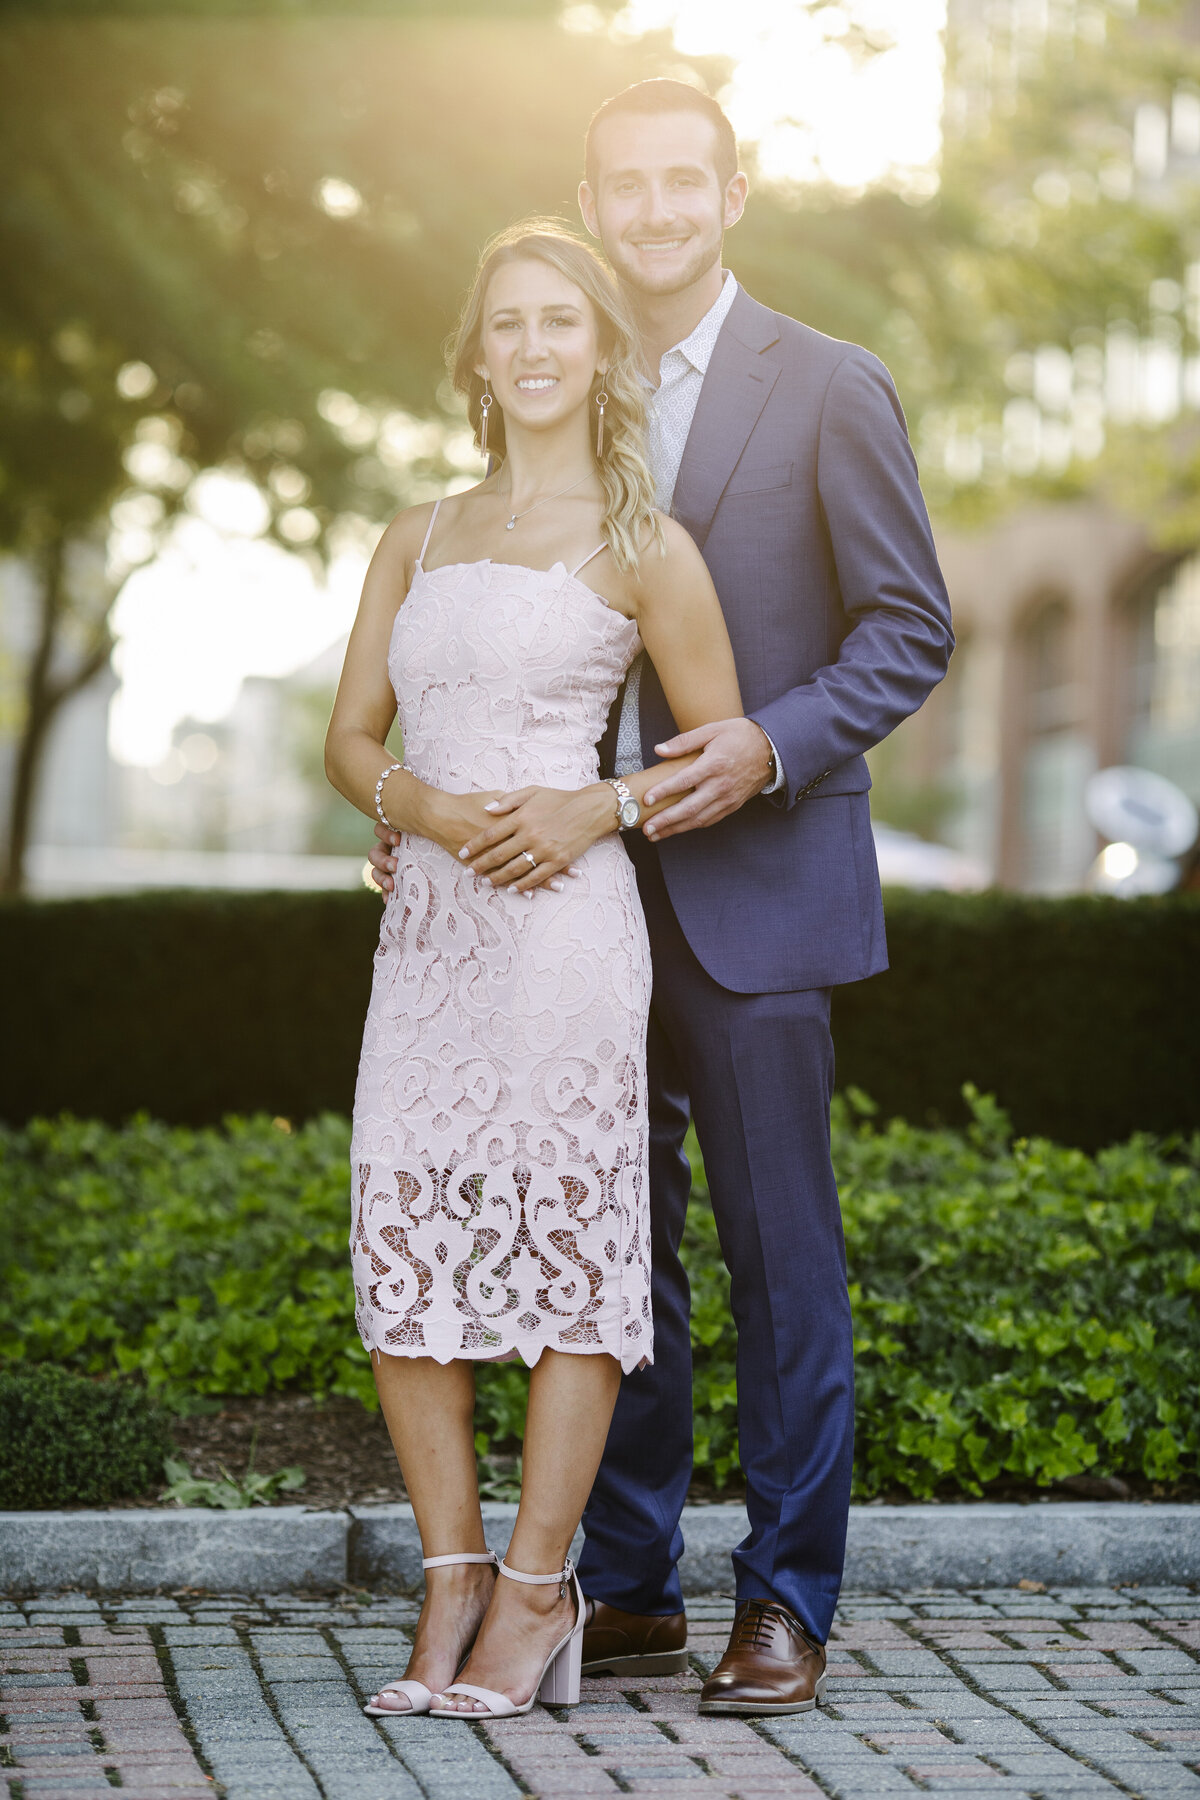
(365, 707)
(683, 629)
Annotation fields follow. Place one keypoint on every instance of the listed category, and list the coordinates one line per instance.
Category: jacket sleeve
(899, 638)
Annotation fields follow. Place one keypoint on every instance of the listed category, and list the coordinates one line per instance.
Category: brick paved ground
(1062, 1696)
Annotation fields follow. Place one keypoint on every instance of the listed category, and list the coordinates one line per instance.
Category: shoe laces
(756, 1624)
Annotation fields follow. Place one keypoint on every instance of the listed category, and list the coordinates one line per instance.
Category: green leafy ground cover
(1021, 1309)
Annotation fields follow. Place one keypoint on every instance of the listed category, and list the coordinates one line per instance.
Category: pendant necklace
(545, 497)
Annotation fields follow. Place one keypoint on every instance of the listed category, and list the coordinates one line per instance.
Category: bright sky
(218, 604)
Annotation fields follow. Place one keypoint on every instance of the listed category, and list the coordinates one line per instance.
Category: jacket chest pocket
(758, 480)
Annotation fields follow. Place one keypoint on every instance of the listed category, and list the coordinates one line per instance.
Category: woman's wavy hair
(630, 520)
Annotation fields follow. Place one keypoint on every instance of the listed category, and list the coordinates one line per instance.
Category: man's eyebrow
(675, 169)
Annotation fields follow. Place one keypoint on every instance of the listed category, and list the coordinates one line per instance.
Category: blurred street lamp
(1149, 822)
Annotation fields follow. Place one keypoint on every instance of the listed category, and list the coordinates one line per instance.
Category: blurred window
(1056, 840)
(1164, 725)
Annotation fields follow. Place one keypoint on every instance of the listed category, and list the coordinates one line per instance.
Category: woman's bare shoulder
(400, 544)
(666, 559)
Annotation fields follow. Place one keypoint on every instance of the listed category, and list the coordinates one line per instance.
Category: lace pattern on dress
(500, 1142)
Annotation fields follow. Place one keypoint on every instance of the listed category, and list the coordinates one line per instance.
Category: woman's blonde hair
(629, 516)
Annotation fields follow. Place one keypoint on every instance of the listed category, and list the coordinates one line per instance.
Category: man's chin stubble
(671, 284)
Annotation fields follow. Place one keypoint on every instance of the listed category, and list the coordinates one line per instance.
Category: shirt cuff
(777, 777)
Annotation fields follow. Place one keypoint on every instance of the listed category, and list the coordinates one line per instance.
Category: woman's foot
(522, 1627)
(456, 1600)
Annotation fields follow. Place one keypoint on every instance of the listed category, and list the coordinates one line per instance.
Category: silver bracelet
(390, 770)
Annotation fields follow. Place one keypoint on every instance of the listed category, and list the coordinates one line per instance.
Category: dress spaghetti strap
(420, 562)
(588, 558)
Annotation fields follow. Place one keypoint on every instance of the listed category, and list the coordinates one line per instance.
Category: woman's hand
(554, 825)
(450, 819)
(445, 819)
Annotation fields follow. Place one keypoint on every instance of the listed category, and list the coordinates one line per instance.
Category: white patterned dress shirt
(670, 408)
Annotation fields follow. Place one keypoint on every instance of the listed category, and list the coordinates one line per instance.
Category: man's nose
(657, 209)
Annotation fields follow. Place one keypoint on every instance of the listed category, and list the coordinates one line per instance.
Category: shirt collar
(698, 346)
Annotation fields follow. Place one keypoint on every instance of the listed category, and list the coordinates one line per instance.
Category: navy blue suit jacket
(799, 485)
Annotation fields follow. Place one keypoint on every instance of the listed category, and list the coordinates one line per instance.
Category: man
(785, 454)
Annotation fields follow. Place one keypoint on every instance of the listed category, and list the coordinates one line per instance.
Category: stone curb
(273, 1548)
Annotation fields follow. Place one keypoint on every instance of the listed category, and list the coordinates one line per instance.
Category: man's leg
(760, 1084)
(759, 1072)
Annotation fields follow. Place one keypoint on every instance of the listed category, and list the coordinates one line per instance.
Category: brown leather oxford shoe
(772, 1664)
(622, 1643)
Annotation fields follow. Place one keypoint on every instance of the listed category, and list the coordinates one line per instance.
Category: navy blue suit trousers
(757, 1071)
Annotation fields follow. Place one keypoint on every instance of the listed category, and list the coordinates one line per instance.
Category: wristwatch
(629, 808)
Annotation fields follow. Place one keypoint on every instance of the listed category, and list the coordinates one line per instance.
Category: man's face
(658, 206)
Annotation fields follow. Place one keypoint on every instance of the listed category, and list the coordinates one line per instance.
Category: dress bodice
(504, 675)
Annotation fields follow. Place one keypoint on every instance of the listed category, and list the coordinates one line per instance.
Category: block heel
(560, 1683)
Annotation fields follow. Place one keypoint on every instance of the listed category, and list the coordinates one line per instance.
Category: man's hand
(554, 825)
(734, 765)
(382, 857)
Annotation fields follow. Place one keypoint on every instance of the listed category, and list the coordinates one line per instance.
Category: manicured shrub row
(1081, 1013)
(1020, 1308)
(67, 1441)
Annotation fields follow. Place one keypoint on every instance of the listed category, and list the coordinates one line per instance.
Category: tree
(226, 244)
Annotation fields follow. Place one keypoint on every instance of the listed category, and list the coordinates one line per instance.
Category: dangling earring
(601, 403)
(485, 407)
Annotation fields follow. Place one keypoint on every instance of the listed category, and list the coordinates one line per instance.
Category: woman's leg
(430, 1412)
(571, 1399)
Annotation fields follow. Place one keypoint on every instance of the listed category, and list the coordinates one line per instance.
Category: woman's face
(539, 346)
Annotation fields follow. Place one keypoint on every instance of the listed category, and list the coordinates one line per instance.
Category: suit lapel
(736, 385)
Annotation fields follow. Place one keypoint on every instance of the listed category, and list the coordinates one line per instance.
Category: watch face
(631, 812)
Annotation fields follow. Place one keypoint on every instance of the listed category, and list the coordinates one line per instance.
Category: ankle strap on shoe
(462, 1556)
(562, 1581)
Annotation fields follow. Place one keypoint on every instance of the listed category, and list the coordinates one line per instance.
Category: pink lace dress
(499, 1146)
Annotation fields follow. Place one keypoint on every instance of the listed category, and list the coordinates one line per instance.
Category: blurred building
(1078, 647)
(251, 783)
(1078, 643)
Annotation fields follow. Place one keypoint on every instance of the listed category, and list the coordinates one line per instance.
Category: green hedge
(1081, 1013)
(1020, 1308)
(66, 1441)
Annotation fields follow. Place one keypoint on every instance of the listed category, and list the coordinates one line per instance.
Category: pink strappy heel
(415, 1692)
(558, 1684)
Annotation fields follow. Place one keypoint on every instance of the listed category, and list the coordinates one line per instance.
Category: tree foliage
(237, 238)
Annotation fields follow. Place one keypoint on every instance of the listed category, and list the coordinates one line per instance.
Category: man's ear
(587, 206)
(735, 199)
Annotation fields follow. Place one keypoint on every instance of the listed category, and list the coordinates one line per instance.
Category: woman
(499, 1147)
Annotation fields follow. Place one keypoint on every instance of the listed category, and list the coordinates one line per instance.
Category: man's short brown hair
(661, 95)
